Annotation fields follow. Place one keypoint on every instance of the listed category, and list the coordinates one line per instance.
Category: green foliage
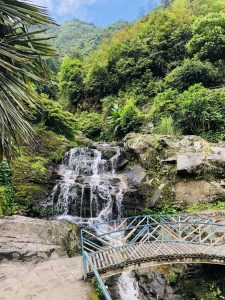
(55, 118)
(208, 41)
(166, 127)
(8, 204)
(195, 111)
(77, 36)
(127, 118)
(71, 86)
(161, 55)
(21, 63)
(98, 289)
(190, 73)
(214, 292)
(173, 277)
(215, 206)
(90, 124)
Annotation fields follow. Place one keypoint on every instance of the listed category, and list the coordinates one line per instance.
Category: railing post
(84, 257)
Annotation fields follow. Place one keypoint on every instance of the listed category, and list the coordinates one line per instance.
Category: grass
(220, 205)
(167, 127)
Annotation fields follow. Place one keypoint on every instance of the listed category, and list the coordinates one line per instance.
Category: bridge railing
(122, 234)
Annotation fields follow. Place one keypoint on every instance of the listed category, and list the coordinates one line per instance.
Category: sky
(99, 12)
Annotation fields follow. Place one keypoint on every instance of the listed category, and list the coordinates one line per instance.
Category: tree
(208, 41)
(71, 86)
(190, 73)
(21, 52)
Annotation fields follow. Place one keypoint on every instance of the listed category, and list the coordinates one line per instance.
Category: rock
(157, 196)
(136, 174)
(133, 200)
(156, 286)
(195, 192)
(168, 160)
(201, 164)
(142, 147)
(189, 163)
(28, 239)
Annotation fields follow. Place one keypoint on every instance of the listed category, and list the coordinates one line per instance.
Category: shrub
(55, 118)
(71, 86)
(195, 111)
(202, 113)
(208, 41)
(90, 124)
(127, 118)
(190, 73)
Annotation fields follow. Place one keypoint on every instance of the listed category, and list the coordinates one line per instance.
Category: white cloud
(68, 8)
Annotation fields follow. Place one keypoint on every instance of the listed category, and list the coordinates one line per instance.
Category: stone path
(59, 279)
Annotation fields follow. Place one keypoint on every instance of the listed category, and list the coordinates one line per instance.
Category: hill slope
(80, 36)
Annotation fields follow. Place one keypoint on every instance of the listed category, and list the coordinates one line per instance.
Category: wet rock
(35, 240)
(133, 200)
(136, 174)
(154, 285)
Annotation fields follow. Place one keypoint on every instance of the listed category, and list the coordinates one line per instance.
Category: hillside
(159, 70)
(80, 36)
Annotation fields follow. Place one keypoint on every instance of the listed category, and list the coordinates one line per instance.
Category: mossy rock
(27, 193)
(31, 169)
(51, 146)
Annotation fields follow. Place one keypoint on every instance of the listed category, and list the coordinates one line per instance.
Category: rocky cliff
(178, 172)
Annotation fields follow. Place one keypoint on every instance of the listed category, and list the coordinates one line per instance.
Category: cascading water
(90, 190)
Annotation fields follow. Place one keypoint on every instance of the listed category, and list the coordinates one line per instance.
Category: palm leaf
(22, 49)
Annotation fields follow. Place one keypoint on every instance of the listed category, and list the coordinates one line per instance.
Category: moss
(209, 207)
(51, 146)
(25, 193)
(71, 244)
(30, 169)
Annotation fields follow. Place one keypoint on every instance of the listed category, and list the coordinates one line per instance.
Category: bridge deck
(119, 257)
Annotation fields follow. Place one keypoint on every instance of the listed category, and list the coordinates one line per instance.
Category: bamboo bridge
(142, 241)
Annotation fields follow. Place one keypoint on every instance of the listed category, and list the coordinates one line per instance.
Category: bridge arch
(142, 241)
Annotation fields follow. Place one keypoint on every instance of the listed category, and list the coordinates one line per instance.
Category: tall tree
(22, 47)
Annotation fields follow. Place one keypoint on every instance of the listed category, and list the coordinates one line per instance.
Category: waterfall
(91, 190)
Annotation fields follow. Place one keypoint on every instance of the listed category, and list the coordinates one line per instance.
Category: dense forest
(77, 36)
(163, 74)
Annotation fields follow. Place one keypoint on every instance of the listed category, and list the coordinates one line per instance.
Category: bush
(127, 118)
(208, 40)
(90, 124)
(195, 111)
(55, 118)
(190, 73)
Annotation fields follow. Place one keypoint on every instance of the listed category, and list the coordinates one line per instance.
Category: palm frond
(22, 49)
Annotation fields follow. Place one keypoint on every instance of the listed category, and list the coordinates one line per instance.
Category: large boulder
(29, 239)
